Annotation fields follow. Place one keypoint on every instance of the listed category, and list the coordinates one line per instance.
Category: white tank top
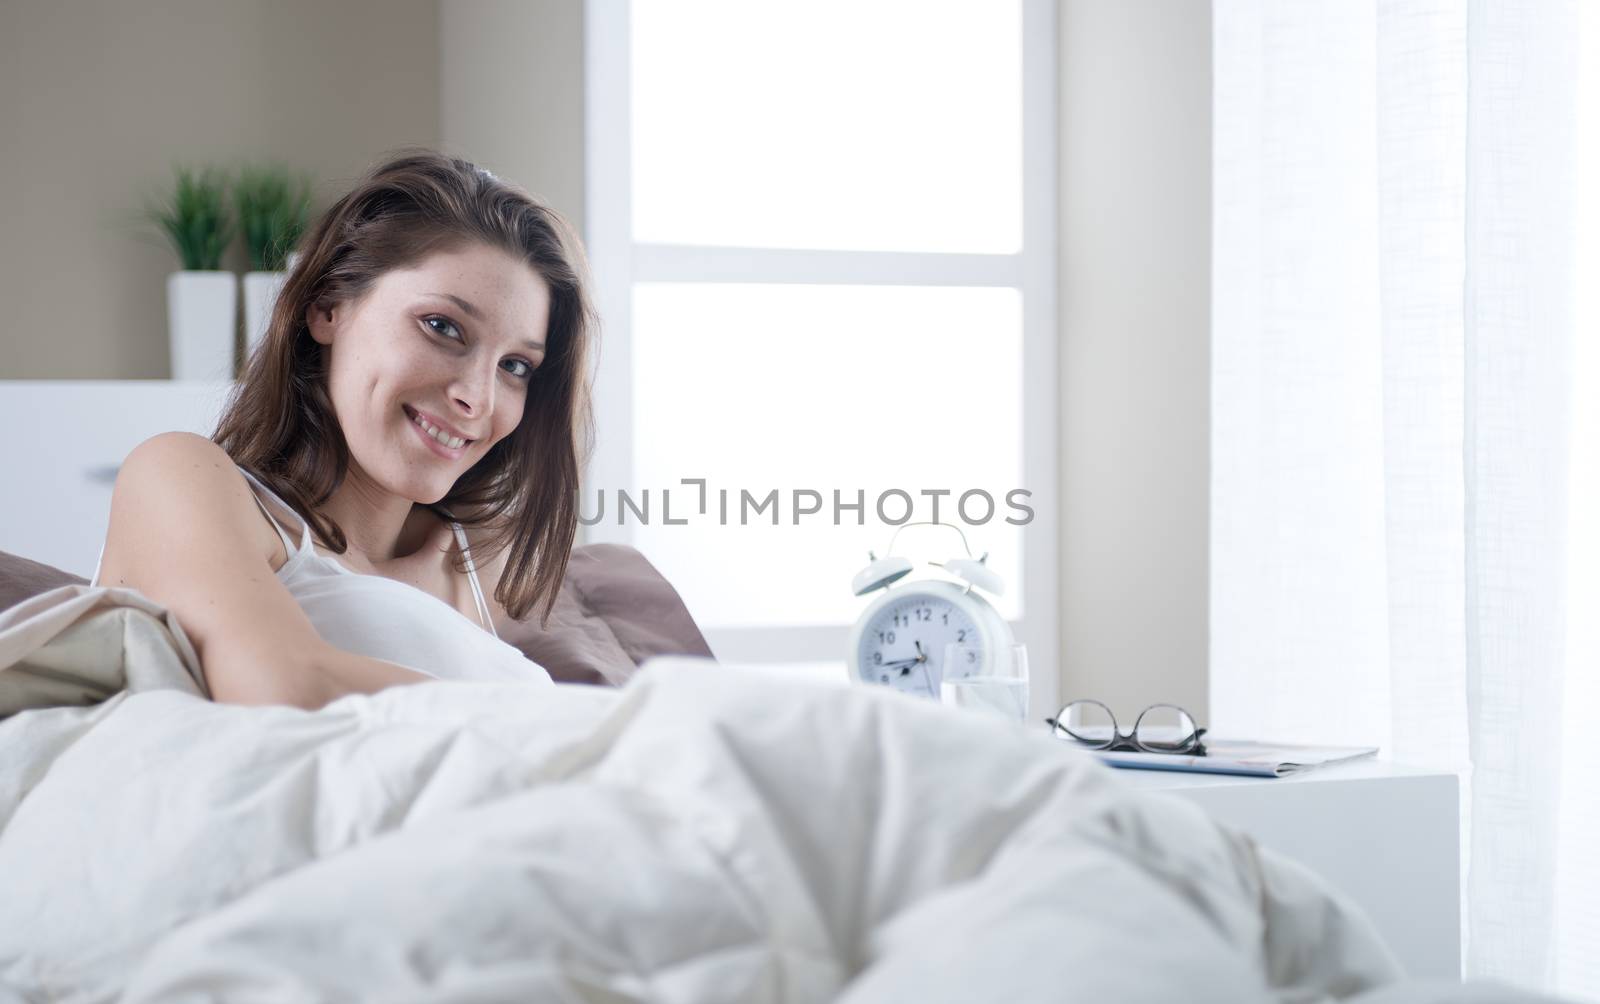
(384, 618)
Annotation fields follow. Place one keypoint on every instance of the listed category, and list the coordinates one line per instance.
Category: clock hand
(927, 674)
(918, 659)
(899, 663)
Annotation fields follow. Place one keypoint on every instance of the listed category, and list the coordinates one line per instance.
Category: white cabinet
(59, 454)
(1388, 837)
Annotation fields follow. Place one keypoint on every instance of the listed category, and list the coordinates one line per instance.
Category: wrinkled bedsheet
(701, 835)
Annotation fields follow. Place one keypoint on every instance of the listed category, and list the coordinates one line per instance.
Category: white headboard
(59, 452)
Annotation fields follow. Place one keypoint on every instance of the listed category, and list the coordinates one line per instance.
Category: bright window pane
(1577, 906)
(890, 125)
(848, 388)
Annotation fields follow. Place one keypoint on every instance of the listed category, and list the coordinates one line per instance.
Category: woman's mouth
(440, 442)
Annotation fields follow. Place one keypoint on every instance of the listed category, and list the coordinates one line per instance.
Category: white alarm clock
(899, 640)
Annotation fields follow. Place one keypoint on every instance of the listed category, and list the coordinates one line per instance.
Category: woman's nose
(474, 393)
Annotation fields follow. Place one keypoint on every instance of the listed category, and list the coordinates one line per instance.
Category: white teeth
(453, 442)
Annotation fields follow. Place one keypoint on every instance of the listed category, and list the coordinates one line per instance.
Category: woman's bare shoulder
(166, 452)
(181, 476)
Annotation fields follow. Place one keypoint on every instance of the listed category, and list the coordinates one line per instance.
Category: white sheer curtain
(1402, 489)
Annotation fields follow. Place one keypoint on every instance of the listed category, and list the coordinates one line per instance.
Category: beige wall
(511, 93)
(98, 98)
(1135, 252)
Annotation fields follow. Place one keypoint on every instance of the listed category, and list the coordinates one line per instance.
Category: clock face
(903, 644)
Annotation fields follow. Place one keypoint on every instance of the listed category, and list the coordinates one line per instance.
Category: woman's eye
(444, 327)
(522, 369)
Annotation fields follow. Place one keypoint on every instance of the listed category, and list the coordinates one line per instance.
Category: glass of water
(998, 689)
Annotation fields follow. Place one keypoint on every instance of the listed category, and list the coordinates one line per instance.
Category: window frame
(618, 263)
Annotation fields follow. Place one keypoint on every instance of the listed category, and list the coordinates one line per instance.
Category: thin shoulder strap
(472, 577)
(305, 526)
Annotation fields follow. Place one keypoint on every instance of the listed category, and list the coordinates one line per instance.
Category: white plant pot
(202, 316)
(260, 295)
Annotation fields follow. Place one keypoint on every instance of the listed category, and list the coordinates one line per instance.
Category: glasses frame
(1127, 741)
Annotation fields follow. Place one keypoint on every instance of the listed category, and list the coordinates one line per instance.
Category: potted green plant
(274, 205)
(202, 300)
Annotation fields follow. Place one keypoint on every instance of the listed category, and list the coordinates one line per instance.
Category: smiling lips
(444, 442)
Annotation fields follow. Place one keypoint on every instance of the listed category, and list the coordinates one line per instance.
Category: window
(823, 241)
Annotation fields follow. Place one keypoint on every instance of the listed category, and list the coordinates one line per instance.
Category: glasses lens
(1087, 722)
(1165, 729)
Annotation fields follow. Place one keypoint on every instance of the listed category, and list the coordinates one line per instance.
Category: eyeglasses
(1160, 728)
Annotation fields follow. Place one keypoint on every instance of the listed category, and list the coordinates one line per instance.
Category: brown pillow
(613, 612)
(21, 578)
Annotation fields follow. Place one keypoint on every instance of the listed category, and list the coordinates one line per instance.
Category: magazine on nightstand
(1241, 757)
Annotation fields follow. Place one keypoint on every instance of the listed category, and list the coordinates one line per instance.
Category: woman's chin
(431, 492)
(421, 487)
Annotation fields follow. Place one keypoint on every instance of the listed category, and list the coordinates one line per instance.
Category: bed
(696, 833)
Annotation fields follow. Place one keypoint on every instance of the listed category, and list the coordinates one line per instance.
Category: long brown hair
(280, 423)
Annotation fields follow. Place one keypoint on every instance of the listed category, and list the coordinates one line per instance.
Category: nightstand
(1388, 837)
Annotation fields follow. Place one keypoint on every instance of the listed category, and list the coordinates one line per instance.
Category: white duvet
(702, 835)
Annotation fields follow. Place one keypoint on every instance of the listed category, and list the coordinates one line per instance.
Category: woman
(419, 401)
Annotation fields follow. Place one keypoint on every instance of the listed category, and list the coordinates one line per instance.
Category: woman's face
(430, 368)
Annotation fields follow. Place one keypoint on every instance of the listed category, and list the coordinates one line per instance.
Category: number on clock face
(904, 645)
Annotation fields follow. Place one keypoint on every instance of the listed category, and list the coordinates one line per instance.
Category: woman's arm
(186, 532)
